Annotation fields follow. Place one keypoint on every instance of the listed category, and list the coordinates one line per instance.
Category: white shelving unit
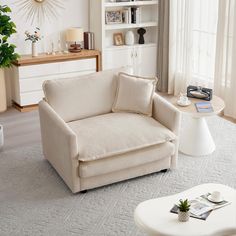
(142, 57)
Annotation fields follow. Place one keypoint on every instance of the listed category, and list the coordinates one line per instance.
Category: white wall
(74, 14)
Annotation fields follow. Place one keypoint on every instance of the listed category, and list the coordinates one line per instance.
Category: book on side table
(201, 207)
(204, 107)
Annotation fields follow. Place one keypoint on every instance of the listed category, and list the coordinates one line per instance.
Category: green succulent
(7, 28)
(184, 205)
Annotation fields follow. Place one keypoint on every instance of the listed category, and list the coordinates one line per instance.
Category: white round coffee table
(196, 139)
(154, 218)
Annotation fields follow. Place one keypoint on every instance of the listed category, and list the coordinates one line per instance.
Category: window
(204, 41)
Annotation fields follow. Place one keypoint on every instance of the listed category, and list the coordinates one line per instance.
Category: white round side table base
(196, 139)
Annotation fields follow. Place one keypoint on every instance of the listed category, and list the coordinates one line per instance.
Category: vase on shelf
(129, 38)
(34, 49)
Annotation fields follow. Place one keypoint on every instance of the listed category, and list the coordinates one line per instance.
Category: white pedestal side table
(196, 139)
(154, 218)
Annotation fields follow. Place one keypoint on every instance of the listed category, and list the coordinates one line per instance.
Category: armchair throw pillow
(134, 94)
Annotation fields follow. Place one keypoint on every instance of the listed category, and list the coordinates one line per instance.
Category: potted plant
(183, 210)
(7, 50)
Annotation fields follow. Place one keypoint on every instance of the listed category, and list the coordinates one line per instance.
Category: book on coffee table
(204, 216)
(201, 207)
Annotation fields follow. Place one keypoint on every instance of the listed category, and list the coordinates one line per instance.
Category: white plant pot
(129, 38)
(34, 50)
(1, 137)
(183, 216)
(3, 99)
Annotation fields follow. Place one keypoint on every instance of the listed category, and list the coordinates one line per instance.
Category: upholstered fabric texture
(129, 160)
(84, 96)
(134, 94)
(78, 127)
(117, 133)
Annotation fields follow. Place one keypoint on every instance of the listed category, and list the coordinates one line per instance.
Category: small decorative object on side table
(33, 38)
(183, 210)
(75, 35)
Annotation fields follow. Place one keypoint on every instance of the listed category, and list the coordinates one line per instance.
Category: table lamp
(74, 35)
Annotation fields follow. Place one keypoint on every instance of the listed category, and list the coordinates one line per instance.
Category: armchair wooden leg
(164, 171)
(84, 191)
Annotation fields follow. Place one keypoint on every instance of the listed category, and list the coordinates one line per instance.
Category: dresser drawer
(38, 70)
(78, 65)
(31, 98)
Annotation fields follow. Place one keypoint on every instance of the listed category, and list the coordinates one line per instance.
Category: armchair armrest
(59, 145)
(166, 114)
(170, 117)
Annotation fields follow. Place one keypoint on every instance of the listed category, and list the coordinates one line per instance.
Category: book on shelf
(201, 207)
(135, 15)
(204, 107)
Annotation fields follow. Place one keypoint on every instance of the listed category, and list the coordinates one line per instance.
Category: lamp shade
(75, 35)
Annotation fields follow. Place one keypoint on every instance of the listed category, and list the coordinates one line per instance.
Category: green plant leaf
(7, 28)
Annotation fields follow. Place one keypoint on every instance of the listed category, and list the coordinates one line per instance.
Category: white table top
(154, 217)
(216, 102)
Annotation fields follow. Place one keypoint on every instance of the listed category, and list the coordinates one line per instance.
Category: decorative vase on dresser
(34, 49)
(141, 57)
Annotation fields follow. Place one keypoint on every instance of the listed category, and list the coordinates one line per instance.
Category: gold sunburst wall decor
(39, 11)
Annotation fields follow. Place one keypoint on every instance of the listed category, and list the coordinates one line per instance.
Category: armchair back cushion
(84, 96)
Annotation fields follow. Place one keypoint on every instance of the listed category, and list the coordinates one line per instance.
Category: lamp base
(75, 48)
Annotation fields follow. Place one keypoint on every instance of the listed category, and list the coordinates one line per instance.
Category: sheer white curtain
(193, 26)
(225, 64)
(180, 45)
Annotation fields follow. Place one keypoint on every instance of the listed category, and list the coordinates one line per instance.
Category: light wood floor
(20, 129)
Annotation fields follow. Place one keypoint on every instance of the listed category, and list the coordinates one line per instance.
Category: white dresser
(28, 74)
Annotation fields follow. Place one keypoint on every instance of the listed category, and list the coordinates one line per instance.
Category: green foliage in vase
(7, 28)
(184, 205)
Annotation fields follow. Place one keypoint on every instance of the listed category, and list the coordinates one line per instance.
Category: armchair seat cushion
(117, 133)
(126, 160)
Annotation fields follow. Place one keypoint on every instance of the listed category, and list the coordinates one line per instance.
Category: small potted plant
(183, 210)
(33, 38)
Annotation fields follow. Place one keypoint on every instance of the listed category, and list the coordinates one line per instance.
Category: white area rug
(35, 201)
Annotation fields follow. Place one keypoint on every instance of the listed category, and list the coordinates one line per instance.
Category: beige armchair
(89, 146)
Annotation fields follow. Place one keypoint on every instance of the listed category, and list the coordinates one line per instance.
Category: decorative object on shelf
(141, 33)
(7, 51)
(183, 210)
(89, 40)
(1, 137)
(129, 38)
(135, 15)
(53, 50)
(75, 35)
(114, 17)
(199, 92)
(39, 11)
(33, 38)
(59, 46)
(118, 39)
